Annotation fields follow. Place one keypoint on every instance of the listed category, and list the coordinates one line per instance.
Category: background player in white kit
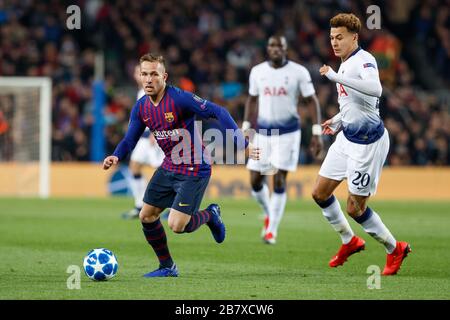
(274, 90)
(360, 149)
(146, 152)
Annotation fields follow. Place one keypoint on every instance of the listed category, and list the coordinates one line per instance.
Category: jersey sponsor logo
(165, 134)
(274, 91)
(341, 91)
(169, 116)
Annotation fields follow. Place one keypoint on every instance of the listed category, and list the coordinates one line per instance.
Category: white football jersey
(360, 115)
(278, 91)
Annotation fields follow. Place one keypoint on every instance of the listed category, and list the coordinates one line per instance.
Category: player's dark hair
(152, 57)
(348, 20)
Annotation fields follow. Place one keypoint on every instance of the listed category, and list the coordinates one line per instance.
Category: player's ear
(166, 75)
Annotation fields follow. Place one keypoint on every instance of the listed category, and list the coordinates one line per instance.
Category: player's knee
(319, 196)
(147, 215)
(353, 210)
(176, 226)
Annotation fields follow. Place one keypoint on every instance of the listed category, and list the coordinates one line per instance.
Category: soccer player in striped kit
(180, 182)
(360, 149)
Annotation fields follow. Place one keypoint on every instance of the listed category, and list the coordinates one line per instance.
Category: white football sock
(373, 225)
(138, 186)
(333, 213)
(262, 197)
(277, 205)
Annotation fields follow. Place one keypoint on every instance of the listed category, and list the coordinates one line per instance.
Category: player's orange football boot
(394, 260)
(355, 245)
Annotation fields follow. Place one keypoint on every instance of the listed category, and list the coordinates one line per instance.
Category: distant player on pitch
(274, 90)
(360, 149)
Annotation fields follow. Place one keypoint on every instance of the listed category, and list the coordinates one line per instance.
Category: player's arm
(369, 83)
(209, 110)
(309, 96)
(316, 144)
(251, 105)
(250, 112)
(333, 125)
(135, 129)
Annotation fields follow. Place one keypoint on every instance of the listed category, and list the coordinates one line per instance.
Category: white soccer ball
(100, 264)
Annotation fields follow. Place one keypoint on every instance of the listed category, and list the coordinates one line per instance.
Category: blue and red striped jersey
(172, 122)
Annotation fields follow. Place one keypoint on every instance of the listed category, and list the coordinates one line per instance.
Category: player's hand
(252, 152)
(326, 129)
(109, 161)
(247, 130)
(324, 69)
(316, 146)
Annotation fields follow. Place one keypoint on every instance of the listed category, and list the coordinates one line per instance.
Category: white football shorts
(278, 152)
(360, 164)
(146, 153)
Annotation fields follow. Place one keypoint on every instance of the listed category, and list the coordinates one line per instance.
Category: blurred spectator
(210, 48)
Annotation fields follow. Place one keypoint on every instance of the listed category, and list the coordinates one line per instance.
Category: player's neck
(278, 64)
(351, 52)
(156, 99)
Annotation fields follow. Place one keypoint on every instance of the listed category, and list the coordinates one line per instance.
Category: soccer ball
(100, 264)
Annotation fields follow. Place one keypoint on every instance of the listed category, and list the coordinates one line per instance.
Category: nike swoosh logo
(145, 120)
(183, 204)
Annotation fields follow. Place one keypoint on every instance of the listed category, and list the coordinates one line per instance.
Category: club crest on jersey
(169, 116)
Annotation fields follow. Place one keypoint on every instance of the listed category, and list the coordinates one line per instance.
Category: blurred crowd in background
(210, 47)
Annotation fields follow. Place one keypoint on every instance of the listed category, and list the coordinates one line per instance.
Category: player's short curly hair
(348, 20)
(152, 57)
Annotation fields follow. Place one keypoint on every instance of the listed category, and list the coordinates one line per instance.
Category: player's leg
(331, 209)
(158, 196)
(138, 183)
(363, 180)
(260, 192)
(331, 174)
(185, 216)
(277, 205)
(285, 150)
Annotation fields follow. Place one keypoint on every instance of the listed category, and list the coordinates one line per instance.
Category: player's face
(342, 41)
(277, 48)
(153, 77)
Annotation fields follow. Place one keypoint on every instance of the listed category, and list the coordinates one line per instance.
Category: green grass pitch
(39, 239)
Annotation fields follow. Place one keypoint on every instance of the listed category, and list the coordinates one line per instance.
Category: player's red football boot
(265, 226)
(355, 245)
(269, 238)
(394, 260)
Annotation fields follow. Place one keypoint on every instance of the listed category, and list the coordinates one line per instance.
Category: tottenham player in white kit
(274, 90)
(147, 152)
(360, 149)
